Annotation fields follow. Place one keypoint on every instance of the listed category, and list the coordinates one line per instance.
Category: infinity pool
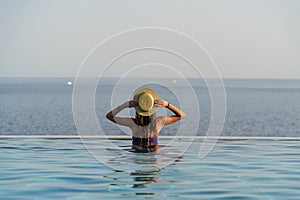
(64, 169)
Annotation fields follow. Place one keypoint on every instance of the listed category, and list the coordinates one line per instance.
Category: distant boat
(69, 83)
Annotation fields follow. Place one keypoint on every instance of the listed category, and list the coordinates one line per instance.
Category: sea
(42, 167)
(254, 107)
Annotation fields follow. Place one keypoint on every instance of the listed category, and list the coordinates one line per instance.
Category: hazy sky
(247, 39)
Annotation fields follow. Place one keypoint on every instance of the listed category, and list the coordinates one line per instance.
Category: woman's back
(149, 130)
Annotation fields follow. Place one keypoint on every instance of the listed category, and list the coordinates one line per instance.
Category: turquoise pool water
(64, 169)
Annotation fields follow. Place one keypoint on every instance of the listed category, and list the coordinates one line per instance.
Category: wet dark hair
(146, 124)
(143, 120)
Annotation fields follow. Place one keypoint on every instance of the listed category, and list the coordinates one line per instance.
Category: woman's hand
(161, 102)
(132, 104)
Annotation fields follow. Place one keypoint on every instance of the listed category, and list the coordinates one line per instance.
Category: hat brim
(136, 98)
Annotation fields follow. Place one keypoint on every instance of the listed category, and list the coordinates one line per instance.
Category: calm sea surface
(32, 106)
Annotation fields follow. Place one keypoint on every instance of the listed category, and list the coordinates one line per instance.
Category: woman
(146, 125)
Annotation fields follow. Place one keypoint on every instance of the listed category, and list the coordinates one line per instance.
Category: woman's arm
(179, 114)
(121, 120)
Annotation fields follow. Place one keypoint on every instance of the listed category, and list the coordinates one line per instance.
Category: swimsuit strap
(144, 141)
(140, 139)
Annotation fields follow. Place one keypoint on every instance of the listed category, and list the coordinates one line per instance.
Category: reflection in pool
(64, 169)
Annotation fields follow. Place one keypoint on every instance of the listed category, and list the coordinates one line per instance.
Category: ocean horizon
(255, 107)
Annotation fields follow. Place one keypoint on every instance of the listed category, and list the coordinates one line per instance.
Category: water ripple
(63, 169)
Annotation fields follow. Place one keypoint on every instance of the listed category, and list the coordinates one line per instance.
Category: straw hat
(145, 98)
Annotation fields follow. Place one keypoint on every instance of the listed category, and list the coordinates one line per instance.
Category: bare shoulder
(166, 120)
(161, 119)
(124, 121)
